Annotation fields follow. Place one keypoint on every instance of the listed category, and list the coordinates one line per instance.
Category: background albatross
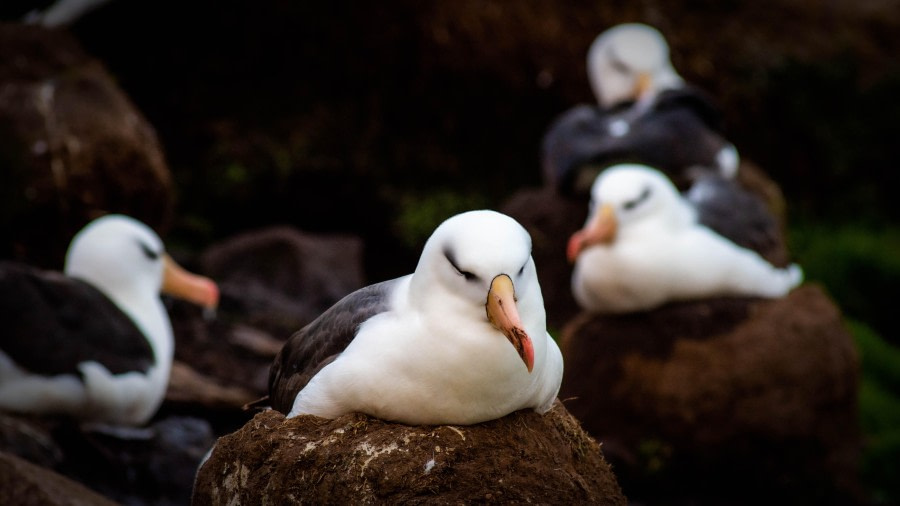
(94, 343)
(642, 246)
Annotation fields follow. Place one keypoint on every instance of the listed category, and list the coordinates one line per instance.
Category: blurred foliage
(860, 266)
(419, 214)
(879, 405)
(823, 133)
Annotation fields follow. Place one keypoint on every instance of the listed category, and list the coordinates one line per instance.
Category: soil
(523, 458)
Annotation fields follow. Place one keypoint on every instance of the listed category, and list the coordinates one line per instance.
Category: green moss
(419, 213)
(879, 408)
(859, 265)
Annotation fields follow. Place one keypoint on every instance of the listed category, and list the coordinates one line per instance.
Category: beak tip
(212, 295)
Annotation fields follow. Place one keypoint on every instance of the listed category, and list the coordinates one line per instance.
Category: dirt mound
(722, 401)
(355, 459)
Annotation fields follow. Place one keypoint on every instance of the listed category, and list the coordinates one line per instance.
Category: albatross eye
(631, 204)
(149, 252)
(468, 275)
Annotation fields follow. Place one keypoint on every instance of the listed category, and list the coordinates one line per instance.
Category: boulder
(137, 466)
(25, 484)
(721, 401)
(280, 278)
(72, 146)
(355, 459)
(273, 281)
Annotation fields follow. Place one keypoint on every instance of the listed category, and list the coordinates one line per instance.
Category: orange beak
(601, 229)
(180, 283)
(504, 316)
(642, 86)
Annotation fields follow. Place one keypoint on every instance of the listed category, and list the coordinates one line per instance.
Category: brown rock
(355, 459)
(723, 401)
(73, 146)
(280, 278)
(25, 484)
(188, 387)
(273, 281)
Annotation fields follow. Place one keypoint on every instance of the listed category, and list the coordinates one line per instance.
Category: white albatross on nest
(462, 340)
(642, 246)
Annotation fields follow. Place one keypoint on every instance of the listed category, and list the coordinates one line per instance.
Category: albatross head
(624, 196)
(479, 263)
(630, 62)
(125, 258)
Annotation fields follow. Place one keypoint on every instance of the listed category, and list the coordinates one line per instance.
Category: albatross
(461, 340)
(94, 342)
(645, 113)
(642, 246)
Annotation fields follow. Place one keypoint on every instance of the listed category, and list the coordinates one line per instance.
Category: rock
(73, 147)
(273, 281)
(722, 401)
(280, 278)
(30, 438)
(136, 466)
(521, 458)
(25, 484)
(188, 387)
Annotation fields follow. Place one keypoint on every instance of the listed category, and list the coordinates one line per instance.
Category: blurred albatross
(642, 246)
(462, 340)
(94, 343)
(645, 113)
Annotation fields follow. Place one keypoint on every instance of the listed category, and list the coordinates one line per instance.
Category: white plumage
(642, 247)
(446, 345)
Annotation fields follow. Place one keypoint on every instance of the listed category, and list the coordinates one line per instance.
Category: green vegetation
(860, 268)
(419, 213)
(879, 409)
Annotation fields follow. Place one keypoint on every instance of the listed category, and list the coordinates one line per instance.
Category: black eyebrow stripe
(448, 254)
(152, 255)
(644, 194)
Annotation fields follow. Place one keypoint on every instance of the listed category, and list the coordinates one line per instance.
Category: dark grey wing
(735, 213)
(572, 139)
(53, 322)
(680, 130)
(321, 341)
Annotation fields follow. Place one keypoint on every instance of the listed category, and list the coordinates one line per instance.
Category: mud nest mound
(355, 459)
(721, 401)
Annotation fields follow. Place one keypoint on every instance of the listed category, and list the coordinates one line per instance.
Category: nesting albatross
(94, 342)
(645, 113)
(462, 340)
(642, 246)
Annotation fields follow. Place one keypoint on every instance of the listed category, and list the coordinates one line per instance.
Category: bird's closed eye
(149, 252)
(466, 274)
(631, 204)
